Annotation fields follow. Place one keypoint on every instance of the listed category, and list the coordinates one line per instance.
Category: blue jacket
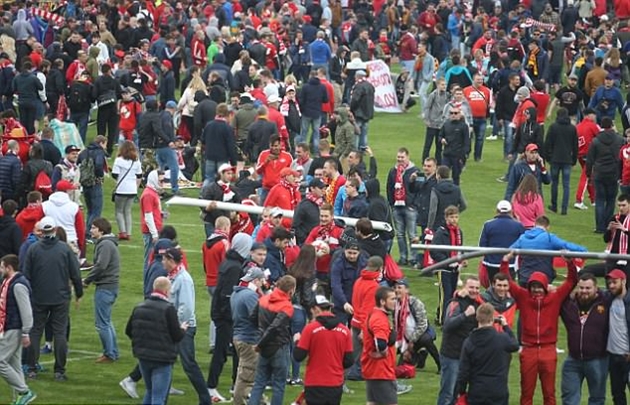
(539, 238)
(343, 275)
(243, 302)
(501, 231)
(274, 261)
(312, 96)
(320, 52)
(341, 197)
(519, 170)
(10, 174)
(606, 101)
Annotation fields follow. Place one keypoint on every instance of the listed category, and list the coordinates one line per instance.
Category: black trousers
(58, 317)
(221, 352)
(618, 369)
(107, 119)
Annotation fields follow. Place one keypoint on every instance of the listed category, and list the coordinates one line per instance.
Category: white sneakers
(580, 206)
(175, 391)
(129, 386)
(216, 397)
(491, 138)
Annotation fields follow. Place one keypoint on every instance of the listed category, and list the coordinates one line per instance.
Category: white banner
(385, 99)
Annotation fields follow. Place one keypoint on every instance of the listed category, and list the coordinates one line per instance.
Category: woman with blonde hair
(188, 103)
(127, 172)
(527, 203)
(612, 64)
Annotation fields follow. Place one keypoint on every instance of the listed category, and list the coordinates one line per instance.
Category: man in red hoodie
(327, 231)
(31, 214)
(285, 194)
(587, 130)
(539, 312)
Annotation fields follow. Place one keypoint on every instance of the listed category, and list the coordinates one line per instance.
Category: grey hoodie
(106, 270)
(23, 29)
(433, 110)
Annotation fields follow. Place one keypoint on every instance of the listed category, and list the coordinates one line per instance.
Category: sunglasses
(454, 112)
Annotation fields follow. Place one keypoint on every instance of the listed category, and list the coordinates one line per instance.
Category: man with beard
(569, 97)
(585, 316)
(618, 337)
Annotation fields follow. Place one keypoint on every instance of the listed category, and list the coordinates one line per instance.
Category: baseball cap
(318, 183)
(504, 206)
(65, 185)
(610, 77)
(322, 301)
(72, 148)
(290, 88)
(167, 63)
(225, 166)
(403, 281)
(47, 224)
(171, 104)
(276, 212)
(253, 273)
(353, 244)
(531, 147)
(288, 171)
(616, 274)
(174, 254)
(274, 98)
(573, 76)
(162, 246)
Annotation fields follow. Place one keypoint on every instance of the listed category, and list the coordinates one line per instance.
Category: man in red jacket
(285, 194)
(587, 130)
(270, 163)
(327, 231)
(539, 312)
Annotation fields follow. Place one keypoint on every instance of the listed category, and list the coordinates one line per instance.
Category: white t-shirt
(128, 185)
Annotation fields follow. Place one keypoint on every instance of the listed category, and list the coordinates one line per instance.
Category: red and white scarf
(400, 315)
(159, 294)
(400, 194)
(173, 273)
(286, 106)
(456, 237)
(248, 284)
(4, 297)
(325, 231)
(623, 236)
(228, 194)
(316, 200)
(294, 191)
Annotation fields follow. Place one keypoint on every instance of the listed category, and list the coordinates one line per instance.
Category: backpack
(43, 184)
(87, 172)
(76, 99)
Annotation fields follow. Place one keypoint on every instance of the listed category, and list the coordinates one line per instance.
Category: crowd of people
(269, 103)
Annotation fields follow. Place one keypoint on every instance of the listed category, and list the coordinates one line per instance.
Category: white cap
(225, 166)
(47, 224)
(274, 98)
(276, 212)
(504, 206)
(322, 300)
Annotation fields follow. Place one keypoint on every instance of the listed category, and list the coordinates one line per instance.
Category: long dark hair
(304, 266)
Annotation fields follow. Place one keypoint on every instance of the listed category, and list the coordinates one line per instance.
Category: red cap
(288, 171)
(531, 147)
(168, 64)
(616, 274)
(65, 185)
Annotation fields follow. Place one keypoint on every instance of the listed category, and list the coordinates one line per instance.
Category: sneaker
(580, 206)
(175, 391)
(491, 138)
(347, 390)
(502, 179)
(61, 377)
(46, 349)
(102, 359)
(296, 381)
(216, 397)
(129, 386)
(559, 350)
(25, 398)
(402, 388)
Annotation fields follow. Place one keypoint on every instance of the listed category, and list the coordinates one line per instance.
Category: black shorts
(381, 391)
(323, 395)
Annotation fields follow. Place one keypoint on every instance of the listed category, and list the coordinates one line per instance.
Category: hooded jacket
(592, 329)
(229, 275)
(23, 29)
(529, 132)
(243, 118)
(218, 139)
(10, 174)
(433, 110)
(67, 214)
(378, 208)
(444, 193)
(499, 232)
(539, 316)
(150, 129)
(363, 296)
(28, 217)
(602, 160)
(362, 101)
(561, 145)
(106, 270)
(344, 135)
(205, 111)
(502, 306)
(27, 86)
(10, 236)
(343, 275)
(92, 65)
(274, 322)
(539, 238)
(214, 250)
(275, 261)
(311, 98)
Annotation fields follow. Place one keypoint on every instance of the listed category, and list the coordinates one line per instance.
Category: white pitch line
(142, 247)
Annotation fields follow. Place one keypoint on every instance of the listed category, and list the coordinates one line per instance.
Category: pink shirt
(526, 214)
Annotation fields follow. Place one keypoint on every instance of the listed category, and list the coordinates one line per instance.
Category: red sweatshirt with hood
(363, 295)
(539, 315)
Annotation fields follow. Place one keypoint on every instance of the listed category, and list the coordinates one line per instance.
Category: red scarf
(246, 285)
(316, 200)
(301, 161)
(4, 296)
(159, 294)
(294, 191)
(456, 237)
(324, 231)
(173, 273)
(400, 194)
(623, 237)
(285, 107)
(400, 316)
(228, 194)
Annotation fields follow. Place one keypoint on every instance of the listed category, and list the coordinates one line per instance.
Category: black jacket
(214, 192)
(10, 236)
(561, 145)
(106, 85)
(50, 265)
(422, 197)
(506, 106)
(457, 326)
(82, 91)
(457, 138)
(602, 160)
(444, 193)
(154, 331)
(305, 218)
(529, 132)
(229, 275)
(391, 181)
(27, 85)
(311, 98)
(167, 87)
(362, 101)
(10, 175)
(205, 111)
(55, 86)
(150, 129)
(218, 139)
(373, 246)
(258, 137)
(484, 365)
(274, 313)
(378, 208)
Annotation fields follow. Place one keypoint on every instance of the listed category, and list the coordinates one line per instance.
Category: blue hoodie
(540, 239)
(243, 302)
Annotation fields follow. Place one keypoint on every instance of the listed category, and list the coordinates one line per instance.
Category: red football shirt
(377, 368)
(326, 349)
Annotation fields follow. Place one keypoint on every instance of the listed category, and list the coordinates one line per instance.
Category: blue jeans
(450, 368)
(81, 121)
(94, 203)
(508, 138)
(211, 170)
(479, 128)
(605, 194)
(314, 124)
(363, 135)
(271, 370)
(104, 300)
(157, 379)
(565, 169)
(405, 222)
(147, 239)
(573, 373)
(187, 356)
(456, 165)
(298, 321)
(166, 157)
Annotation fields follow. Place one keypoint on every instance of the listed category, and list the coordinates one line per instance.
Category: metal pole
(251, 209)
(476, 251)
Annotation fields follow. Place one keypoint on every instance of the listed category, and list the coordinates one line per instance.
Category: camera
(497, 320)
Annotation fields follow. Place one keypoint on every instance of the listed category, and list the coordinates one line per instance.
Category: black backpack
(77, 99)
